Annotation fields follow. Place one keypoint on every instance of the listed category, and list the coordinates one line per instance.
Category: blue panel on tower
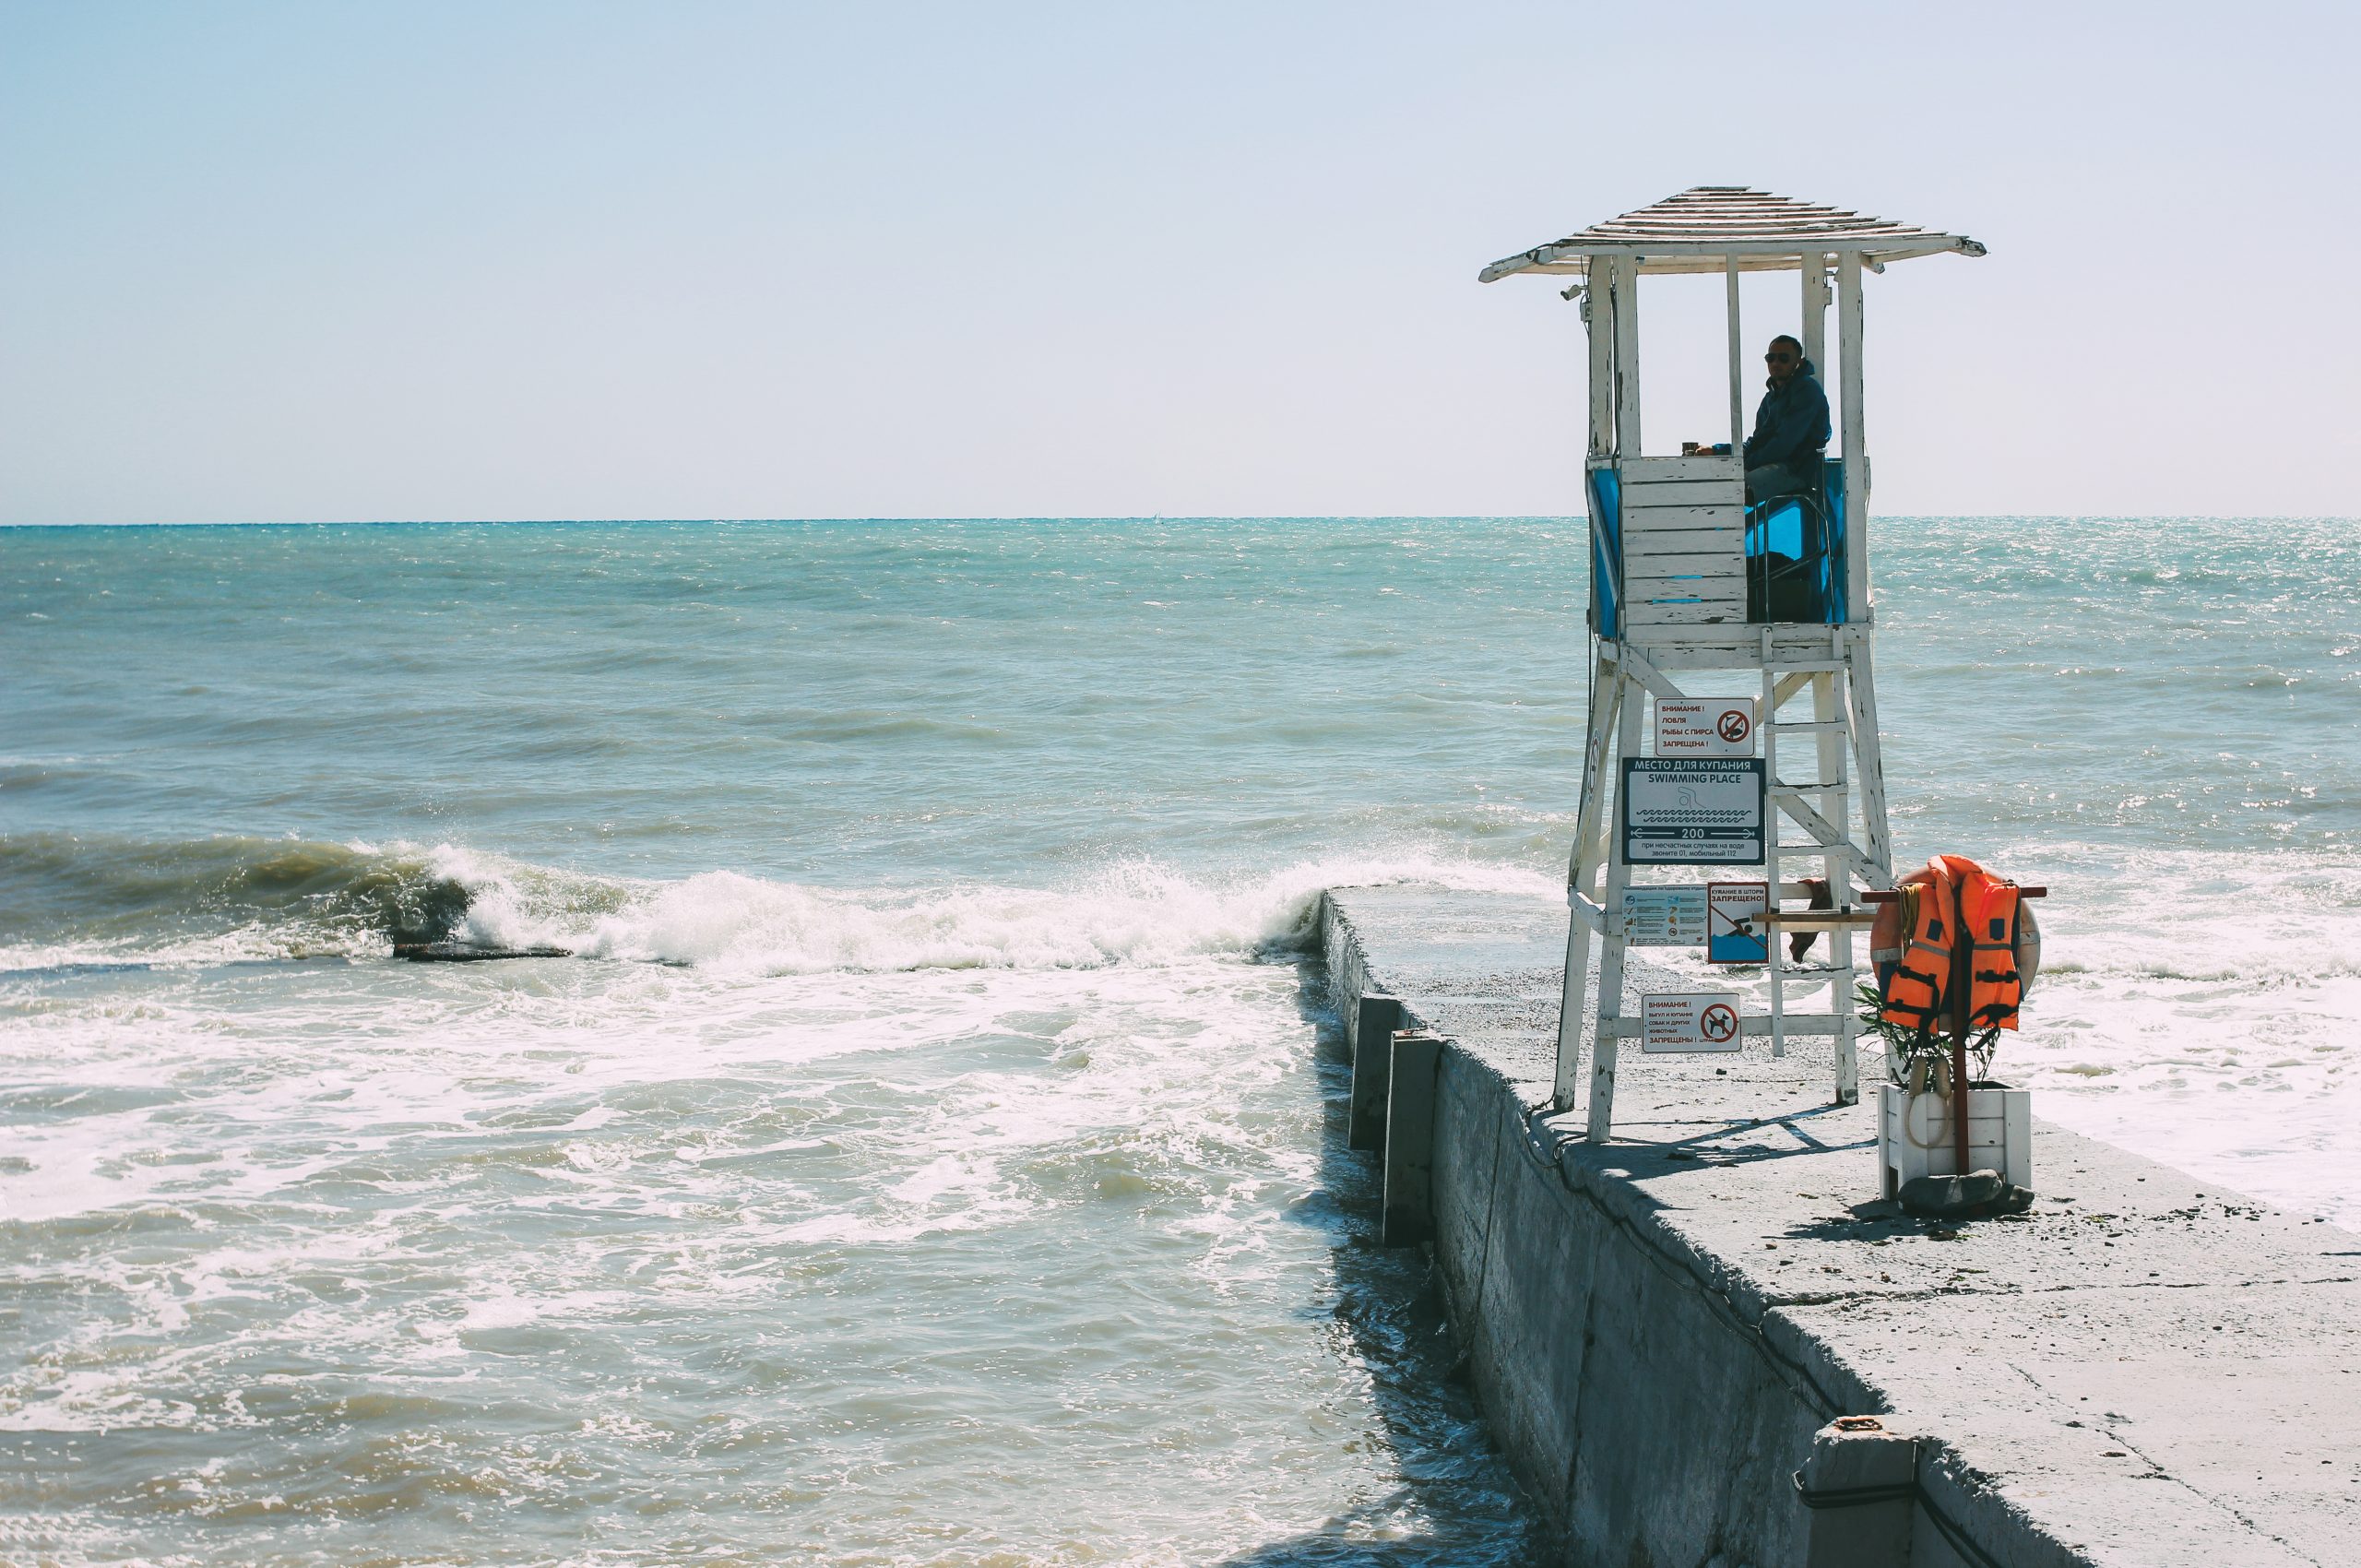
(1605, 552)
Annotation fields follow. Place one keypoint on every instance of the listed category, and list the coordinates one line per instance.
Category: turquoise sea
(931, 1156)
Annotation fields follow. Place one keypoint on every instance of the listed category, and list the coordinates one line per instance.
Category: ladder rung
(1807, 667)
(1815, 726)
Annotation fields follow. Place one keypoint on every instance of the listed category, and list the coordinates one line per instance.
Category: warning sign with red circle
(1696, 1020)
(1706, 727)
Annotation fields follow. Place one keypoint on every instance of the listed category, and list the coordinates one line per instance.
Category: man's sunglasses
(1780, 359)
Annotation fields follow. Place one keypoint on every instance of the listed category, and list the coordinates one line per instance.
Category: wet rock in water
(469, 953)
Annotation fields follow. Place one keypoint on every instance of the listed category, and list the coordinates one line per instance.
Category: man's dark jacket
(1791, 427)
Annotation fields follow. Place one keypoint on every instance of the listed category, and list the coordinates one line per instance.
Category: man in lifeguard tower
(1783, 454)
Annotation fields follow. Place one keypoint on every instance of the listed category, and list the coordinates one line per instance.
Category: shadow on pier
(1450, 1498)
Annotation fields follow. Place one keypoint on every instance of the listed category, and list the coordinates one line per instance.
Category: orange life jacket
(1956, 924)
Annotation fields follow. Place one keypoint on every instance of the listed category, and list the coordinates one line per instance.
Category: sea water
(932, 1155)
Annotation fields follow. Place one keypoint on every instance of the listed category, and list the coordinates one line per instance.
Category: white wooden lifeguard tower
(1685, 577)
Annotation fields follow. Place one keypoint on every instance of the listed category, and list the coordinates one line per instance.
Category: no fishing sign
(1711, 727)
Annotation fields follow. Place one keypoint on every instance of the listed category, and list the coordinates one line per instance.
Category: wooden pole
(1598, 306)
(1815, 329)
(1836, 866)
(1857, 443)
(1860, 690)
(1738, 361)
(1627, 357)
(1600, 1118)
(1582, 877)
(1963, 982)
(1609, 303)
(1775, 962)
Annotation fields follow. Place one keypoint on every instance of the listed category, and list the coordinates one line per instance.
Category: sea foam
(1134, 912)
(267, 899)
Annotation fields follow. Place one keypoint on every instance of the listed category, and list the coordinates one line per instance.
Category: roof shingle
(1699, 229)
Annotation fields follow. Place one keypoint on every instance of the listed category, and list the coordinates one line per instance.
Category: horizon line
(1152, 517)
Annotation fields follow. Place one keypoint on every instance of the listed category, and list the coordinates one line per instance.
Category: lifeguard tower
(1686, 578)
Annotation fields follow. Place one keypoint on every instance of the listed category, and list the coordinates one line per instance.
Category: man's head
(1785, 357)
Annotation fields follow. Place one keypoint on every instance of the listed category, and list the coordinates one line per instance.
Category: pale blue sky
(345, 261)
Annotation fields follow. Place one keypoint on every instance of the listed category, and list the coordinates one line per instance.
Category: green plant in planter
(1918, 1059)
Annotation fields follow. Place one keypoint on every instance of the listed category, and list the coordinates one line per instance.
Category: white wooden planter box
(1914, 1134)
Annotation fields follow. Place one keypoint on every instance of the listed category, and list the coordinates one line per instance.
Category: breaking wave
(79, 902)
(228, 896)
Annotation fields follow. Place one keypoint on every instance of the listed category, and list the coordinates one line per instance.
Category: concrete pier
(2146, 1371)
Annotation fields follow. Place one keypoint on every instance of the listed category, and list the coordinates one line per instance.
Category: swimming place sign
(1692, 810)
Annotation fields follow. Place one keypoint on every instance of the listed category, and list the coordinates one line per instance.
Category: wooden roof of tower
(1700, 228)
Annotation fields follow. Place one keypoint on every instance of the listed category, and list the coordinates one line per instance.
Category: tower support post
(1582, 879)
(1606, 1036)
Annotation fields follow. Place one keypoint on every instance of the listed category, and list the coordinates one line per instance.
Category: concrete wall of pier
(1661, 1331)
(1648, 1423)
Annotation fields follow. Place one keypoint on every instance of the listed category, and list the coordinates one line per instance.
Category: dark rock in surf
(469, 953)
